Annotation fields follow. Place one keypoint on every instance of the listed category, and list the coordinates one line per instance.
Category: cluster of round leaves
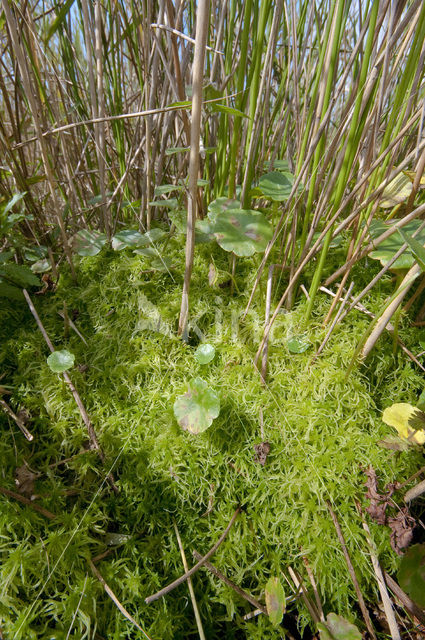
(90, 243)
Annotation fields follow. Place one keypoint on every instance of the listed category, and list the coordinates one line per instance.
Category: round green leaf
(276, 185)
(242, 231)
(204, 353)
(88, 243)
(297, 345)
(60, 361)
(196, 409)
(411, 574)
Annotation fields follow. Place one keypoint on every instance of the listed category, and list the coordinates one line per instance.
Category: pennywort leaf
(60, 361)
(198, 407)
(204, 353)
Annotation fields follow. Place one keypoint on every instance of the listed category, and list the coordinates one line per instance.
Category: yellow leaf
(411, 175)
(398, 416)
(398, 190)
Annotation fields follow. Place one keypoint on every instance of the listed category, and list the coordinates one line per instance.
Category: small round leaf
(60, 361)
(297, 345)
(196, 409)
(204, 353)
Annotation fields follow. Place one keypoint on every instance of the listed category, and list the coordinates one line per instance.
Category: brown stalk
(190, 586)
(202, 23)
(29, 503)
(300, 587)
(100, 127)
(333, 324)
(386, 601)
(197, 566)
(18, 421)
(411, 606)
(357, 305)
(94, 443)
(246, 596)
(415, 491)
(352, 572)
(115, 600)
(35, 110)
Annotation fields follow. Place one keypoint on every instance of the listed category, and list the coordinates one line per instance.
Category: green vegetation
(322, 428)
(212, 276)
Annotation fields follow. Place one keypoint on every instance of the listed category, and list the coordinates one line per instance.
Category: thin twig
(352, 572)
(197, 566)
(253, 614)
(183, 36)
(190, 586)
(91, 432)
(299, 585)
(261, 424)
(314, 587)
(333, 325)
(121, 116)
(231, 584)
(386, 600)
(73, 327)
(17, 496)
(267, 316)
(411, 606)
(115, 600)
(415, 475)
(18, 421)
(389, 326)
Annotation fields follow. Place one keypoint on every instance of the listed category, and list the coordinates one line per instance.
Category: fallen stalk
(352, 572)
(411, 607)
(94, 443)
(389, 327)
(115, 600)
(196, 567)
(190, 586)
(17, 496)
(386, 601)
(246, 596)
(18, 421)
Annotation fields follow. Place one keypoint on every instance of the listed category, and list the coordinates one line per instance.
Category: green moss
(322, 427)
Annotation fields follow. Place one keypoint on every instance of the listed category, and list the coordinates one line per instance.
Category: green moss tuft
(322, 427)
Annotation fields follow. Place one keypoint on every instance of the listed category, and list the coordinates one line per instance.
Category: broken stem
(94, 443)
(196, 567)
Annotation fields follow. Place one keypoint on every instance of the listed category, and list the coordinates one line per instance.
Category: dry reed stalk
(202, 23)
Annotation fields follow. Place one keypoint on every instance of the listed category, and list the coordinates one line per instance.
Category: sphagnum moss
(322, 428)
